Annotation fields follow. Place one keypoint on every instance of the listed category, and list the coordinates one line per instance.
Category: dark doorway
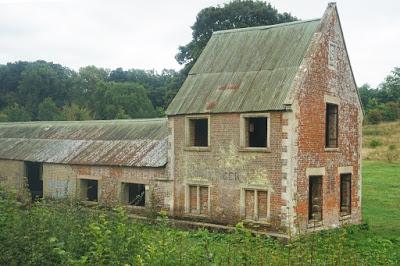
(345, 194)
(33, 172)
(89, 189)
(315, 198)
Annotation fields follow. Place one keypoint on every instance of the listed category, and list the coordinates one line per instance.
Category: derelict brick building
(266, 129)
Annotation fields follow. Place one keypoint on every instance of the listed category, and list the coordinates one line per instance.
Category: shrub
(374, 116)
(65, 233)
(375, 143)
(392, 154)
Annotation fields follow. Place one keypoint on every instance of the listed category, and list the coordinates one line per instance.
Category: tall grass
(382, 142)
(64, 233)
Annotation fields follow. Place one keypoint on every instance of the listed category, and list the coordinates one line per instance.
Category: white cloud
(146, 34)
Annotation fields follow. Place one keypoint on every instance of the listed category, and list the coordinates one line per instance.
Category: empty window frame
(198, 132)
(315, 200)
(89, 189)
(332, 55)
(332, 128)
(256, 204)
(134, 194)
(198, 199)
(345, 194)
(254, 131)
(34, 172)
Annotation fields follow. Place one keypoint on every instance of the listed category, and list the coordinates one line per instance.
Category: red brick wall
(322, 81)
(225, 168)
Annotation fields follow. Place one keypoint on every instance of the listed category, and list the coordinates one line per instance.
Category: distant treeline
(45, 91)
(382, 103)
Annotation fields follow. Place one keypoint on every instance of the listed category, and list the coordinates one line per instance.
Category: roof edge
(266, 26)
(160, 119)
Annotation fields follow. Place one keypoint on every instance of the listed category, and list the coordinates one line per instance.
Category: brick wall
(226, 169)
(62, 181)
(323, 83)
(12, 174)
(110, 178)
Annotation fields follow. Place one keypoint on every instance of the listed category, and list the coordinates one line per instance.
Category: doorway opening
(33, 172)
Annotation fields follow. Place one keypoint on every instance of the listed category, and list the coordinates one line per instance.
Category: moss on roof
(244, 70)
(141, 142)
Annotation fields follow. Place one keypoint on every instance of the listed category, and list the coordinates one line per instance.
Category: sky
(146, 34)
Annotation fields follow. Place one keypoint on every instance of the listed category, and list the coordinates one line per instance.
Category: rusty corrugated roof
(245, 70)
(140, 143)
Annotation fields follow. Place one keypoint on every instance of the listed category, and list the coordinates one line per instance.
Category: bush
(374, 116)
(392, 154)
(375, 143)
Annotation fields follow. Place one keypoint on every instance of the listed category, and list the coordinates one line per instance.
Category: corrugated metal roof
(245, 70)
(140, 143)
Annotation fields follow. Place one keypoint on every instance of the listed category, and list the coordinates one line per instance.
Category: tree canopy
(46, 91)
(236, 14)
(382, 103)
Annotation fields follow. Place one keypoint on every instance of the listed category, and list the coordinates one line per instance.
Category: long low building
(266, 130)
(107, 161)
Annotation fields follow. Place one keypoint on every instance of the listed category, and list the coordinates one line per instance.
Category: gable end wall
(323, 83)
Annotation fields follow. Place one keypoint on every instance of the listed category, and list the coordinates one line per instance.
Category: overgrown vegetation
(65, 233)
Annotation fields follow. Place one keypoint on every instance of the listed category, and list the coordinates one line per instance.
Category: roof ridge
(265, 27)
(84, 121)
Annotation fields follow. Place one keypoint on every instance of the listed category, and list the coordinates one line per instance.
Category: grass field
(381, 198)
(381, 179)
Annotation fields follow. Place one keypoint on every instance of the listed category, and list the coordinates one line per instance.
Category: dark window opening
(315, 198)
(199, 132)
(257, 131)
(35, 181)
(135, 194)
(331, 131)
(89, 188)
(345, 194)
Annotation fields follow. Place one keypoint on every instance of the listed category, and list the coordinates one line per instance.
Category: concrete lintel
(315, 171)
(345, 169)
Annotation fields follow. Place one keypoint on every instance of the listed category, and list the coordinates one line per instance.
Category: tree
(10, 76)
(40, 80)
(48, 110)
(74, 112)
(123, 100)
(390, 88)
(88, 81)
(382, 103)
(16, 113)
(236, 14)
(161, 88)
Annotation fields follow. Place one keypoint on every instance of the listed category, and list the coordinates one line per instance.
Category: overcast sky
(146, 34)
